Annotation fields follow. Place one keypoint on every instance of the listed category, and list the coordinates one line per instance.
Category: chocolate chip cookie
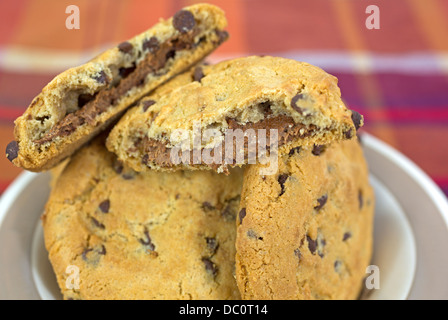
(82, 101)
(113, 233)
(196, 124)
(306, 232)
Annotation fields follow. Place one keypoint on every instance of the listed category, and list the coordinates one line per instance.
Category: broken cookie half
(233, 113)
(82, 101)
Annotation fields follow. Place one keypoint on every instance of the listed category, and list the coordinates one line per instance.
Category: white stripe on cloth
(19, 59)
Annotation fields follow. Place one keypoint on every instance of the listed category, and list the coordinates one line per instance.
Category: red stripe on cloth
(10, 17)
(281, 25)
(4, 185)
(9, 113)
(441, 181)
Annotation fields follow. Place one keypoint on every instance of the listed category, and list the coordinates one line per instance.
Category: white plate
(411, 232)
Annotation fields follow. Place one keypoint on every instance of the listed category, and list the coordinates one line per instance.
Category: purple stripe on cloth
(19, 89)
(444, 189)
(350, 92)
(402, 91)
(398, 91)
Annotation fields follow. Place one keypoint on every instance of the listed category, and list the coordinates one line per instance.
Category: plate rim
(12, 191)
(432, 190)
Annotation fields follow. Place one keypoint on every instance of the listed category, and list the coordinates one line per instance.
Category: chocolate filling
(158, 152)
(93, 105)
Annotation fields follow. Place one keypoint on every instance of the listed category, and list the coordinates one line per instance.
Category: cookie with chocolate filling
(82, 101)
(306, 232)
(112, 233)
(233, 113)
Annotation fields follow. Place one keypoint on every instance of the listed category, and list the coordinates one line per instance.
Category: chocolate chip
(242, 214)
(118, 166)
(124, 72)
(198, 74)
(318, 149)
(230, 206)
(97, 223)
(170, 54)
(42, 119)
(146, 104)
(298, 254)
(207, 206)
(346, 236)
(252, 234)
(125, 47)
(294, 101)
(151, 44)
(266, 107)
(322, 200)
(128, 176)
(183, 21)
(140, 82)
(294, 150)
(212, 244)
(222, 35)
(356, 118)
(320, 246)
(105, 206)
(12, 150)
(210, 266)
(147, 241)
(360, 199)
(337, 266)
(197, 43)
(145, 159)
(348, 134)
(94, 259)
(101, 77)
(228, 213)
(84, 98)
(312, 244)
(85, 252)
(103, 250)
(302, 241)
(281, 180)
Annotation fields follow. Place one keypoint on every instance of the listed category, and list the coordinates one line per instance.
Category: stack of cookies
(174, 179)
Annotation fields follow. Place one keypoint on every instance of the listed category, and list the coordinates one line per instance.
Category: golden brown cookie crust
(39, 148)
(141, 236)
(234, 93)
(306, 232)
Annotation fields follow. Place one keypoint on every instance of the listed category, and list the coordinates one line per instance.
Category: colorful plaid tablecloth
(396, 76)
